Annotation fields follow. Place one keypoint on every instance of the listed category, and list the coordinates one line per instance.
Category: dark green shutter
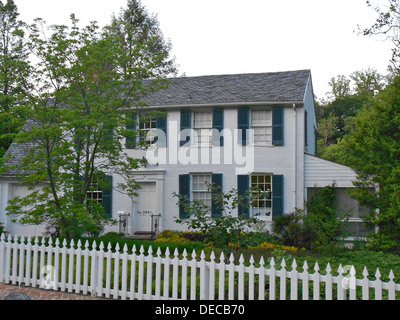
(216, 206)
(131, 125)
(243, 188)
(277, 126)
(161, 124)
(243, 124)
(277, 195)
(218, 124)
(107, 196)
(186, 123)
(184, 190)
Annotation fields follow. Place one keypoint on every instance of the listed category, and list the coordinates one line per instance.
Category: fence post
(294, 281)
(100, 271)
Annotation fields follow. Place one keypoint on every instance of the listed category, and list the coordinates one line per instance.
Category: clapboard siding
(320, 172)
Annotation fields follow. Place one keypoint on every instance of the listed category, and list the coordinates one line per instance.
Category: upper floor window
(261, 123)
(147, 131)
(203, 124)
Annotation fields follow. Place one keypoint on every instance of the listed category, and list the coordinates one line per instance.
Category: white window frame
(265, 212)
(265, 125)
(203, 132)
(144, 132)
(203, 192)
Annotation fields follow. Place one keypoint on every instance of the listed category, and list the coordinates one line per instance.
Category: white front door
(146, 207)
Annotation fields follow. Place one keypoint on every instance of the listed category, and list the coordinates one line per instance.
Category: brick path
(40, 294)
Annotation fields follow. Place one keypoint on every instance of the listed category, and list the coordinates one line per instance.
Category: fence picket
(272, 280)
(124, 281)
(184, 275)
(22, 260)
(378, 285)
(282, 280)
(166, 274)
(221, 277)
(316, 282)
(158, 275)
(261, 280)
(304, 277)
(175, 269)
(56, 263)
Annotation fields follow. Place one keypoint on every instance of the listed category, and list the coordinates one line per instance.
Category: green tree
(373, 150)
(134, 26)
(81, 88)
(13, 70)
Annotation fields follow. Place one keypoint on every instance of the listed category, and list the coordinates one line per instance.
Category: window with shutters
(147, 131)
(200, 188)
(261, 186)
(95, 193)
(261, 123)
(203, 124)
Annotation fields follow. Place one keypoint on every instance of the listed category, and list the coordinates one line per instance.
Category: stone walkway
(40, 294)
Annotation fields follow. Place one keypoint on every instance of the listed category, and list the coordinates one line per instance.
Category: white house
(235, 131)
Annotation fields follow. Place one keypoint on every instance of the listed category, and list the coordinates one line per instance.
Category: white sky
(236, 36)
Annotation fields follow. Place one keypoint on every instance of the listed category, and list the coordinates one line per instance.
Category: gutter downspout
(295, 156)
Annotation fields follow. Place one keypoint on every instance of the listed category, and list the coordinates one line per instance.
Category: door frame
(143, 176)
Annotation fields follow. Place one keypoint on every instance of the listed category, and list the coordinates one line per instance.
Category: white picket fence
(121, 275)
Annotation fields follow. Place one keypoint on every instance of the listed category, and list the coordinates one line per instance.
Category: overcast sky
(236, 36)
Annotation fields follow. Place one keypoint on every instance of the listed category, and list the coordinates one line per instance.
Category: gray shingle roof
(230, 89)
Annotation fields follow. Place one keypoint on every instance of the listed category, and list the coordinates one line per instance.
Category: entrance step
(142, 235)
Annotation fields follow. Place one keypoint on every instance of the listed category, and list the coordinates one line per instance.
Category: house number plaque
(145, 212)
